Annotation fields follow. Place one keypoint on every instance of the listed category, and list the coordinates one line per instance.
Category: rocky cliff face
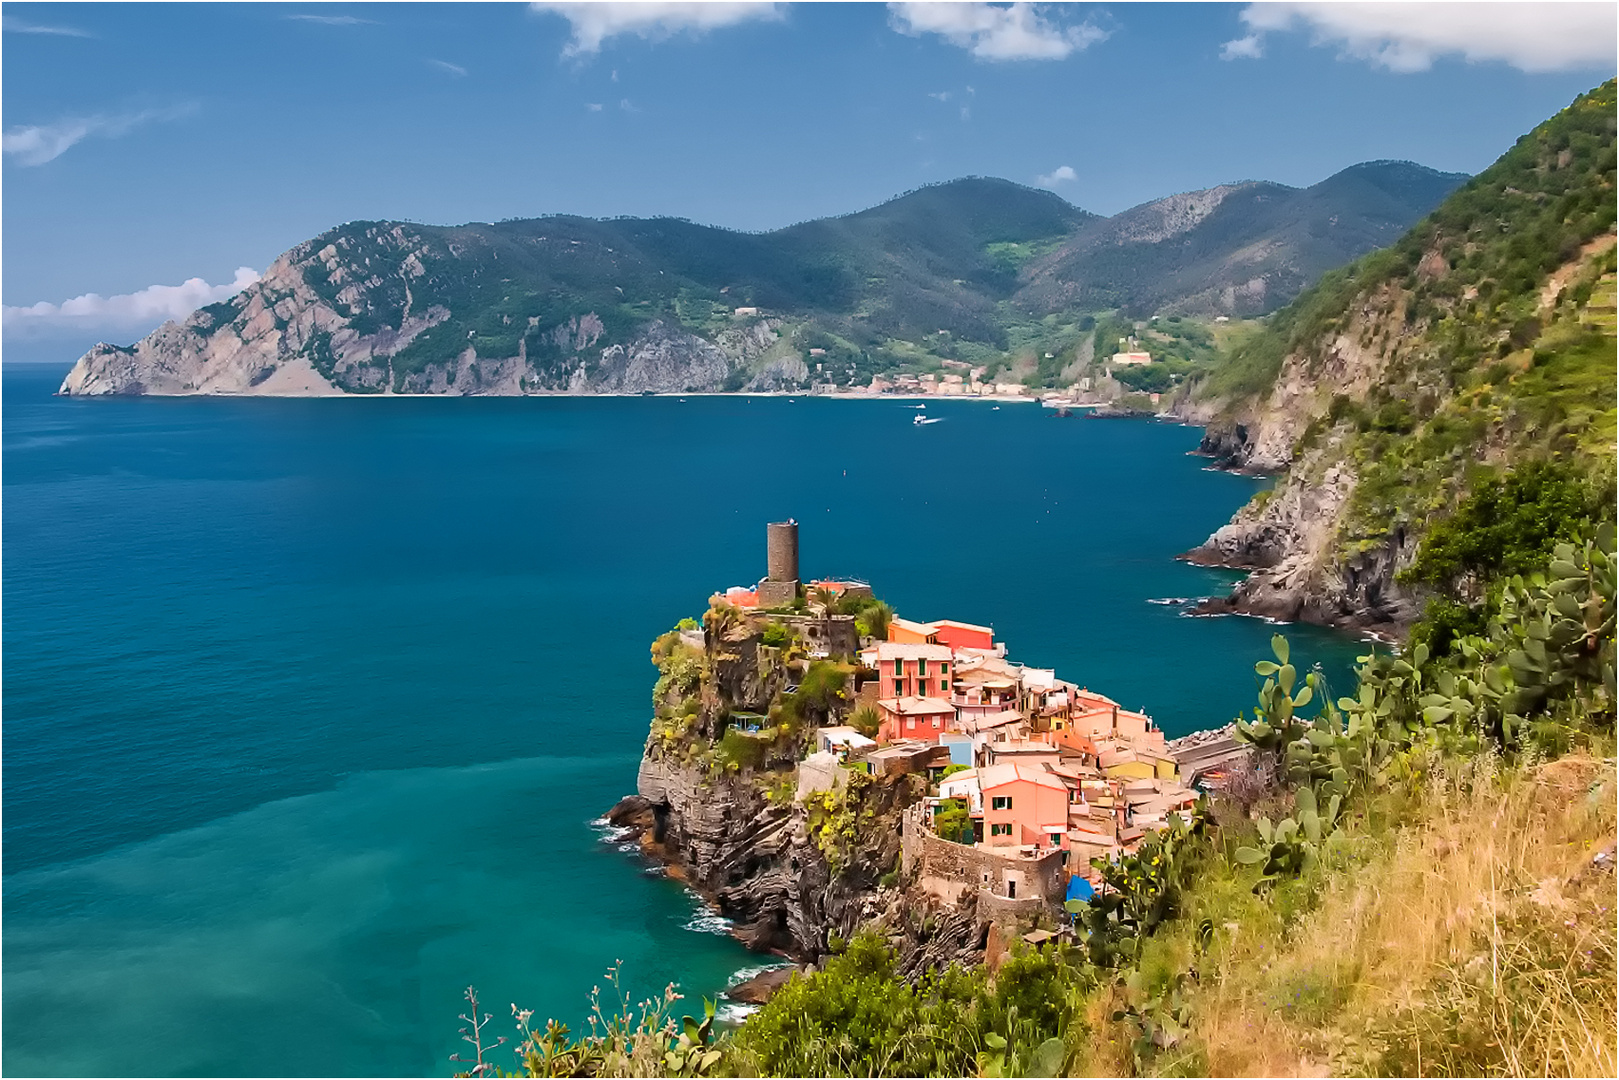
(1295, 537)
(342, 318)
(789, 879)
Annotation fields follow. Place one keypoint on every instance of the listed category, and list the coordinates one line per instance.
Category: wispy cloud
(38, 143)
(942, 95)
(593, 106)
(1020, 31)
(334, 20)
(1405, 37)
(448, 68)
(966, 114)
(17, 26)
(593, 24)
(1062, 174)
(136, 312)
(625, 105)
(1250, 47)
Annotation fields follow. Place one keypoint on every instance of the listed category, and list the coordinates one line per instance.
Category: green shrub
(1508, 524)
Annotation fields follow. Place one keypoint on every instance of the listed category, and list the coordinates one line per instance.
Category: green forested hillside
(974, 269)
(1478, 349)
(1282, 238)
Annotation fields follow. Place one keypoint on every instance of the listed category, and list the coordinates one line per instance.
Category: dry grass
(1477, 940)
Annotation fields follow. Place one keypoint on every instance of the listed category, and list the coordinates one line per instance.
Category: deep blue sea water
(308, 704)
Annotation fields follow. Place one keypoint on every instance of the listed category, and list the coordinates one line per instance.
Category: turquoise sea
(309, 705)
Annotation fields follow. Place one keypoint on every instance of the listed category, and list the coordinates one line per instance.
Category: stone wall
(834, 634)
(1032, 882)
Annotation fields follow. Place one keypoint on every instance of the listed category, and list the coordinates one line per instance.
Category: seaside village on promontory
(1018, 778)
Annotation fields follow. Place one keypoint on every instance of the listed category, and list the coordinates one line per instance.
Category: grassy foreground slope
(1417, 878)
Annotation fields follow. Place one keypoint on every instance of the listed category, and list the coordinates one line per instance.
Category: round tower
(781, 551)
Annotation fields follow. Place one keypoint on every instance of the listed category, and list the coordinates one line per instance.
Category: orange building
(922, 718)
(957, 635)
(1024, 805)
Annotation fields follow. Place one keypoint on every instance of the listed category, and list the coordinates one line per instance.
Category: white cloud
(13, 26)
(1062, 174)
(1408, 37)
(991, 32)
(1243, 48)
(966, 114)
(38, 143)
(452, 69)
(624, 103)
(593, 106)
(334, 20)
(942, 95)
(594, 23)
(130, 313)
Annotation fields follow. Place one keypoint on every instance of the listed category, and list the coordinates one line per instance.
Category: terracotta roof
(993, 720)
(1024, 746)
(995, 776)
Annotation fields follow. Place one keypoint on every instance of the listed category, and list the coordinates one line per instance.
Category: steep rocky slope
(1484, 338)
(719, 806)
(574, 305)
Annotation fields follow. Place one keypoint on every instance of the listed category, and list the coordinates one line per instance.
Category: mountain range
(970, 269)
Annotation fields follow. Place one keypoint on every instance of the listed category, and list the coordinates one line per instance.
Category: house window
(899, 687)
(1001, 802)
(922, 666)
(899, 667)
(1000, 830)
(1056, 839)
(944, 667)
(935, 723)
(944, 686)
(911, 723)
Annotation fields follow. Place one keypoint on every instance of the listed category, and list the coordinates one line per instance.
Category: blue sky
(151, 145)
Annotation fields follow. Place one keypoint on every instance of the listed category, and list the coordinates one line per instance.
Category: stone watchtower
(780, 585)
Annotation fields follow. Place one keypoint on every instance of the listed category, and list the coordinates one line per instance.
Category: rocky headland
(796, 868)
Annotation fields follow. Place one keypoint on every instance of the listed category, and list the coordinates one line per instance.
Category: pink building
(1024, 805)
(911, 669)
(914, 718)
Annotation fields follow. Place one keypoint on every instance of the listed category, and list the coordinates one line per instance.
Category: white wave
(742, 975)
(734, 1012)
(705, 920)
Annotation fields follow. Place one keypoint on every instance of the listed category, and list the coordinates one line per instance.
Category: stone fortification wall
(835, 634)
(1032, 882)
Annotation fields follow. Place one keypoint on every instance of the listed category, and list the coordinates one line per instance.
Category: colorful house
(964, 785)
(910, 669)
(914, 718)
(960, 746)
(1024, 805)
(957, 635)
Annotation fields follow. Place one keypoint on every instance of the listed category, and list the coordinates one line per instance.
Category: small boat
(926, 419)
(994, 408)
(918, 406)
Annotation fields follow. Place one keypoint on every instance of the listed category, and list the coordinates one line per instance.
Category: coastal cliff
(1482, 340)
(796, 866)
(349, 316)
